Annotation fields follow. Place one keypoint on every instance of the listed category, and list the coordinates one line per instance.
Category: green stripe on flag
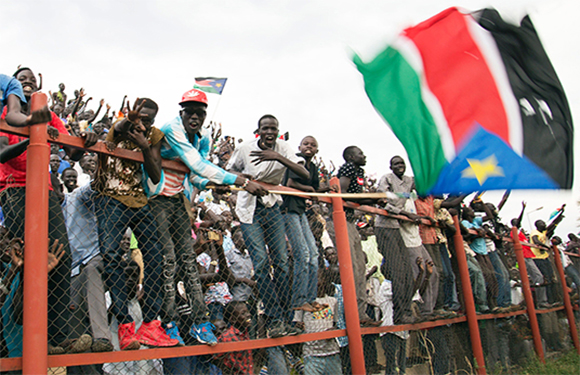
(394, 89)
(208, 89)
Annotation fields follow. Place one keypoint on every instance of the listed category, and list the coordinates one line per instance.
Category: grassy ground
(567, 364)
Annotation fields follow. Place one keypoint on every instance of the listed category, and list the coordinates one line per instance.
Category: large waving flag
(476, 103)
(210, 85)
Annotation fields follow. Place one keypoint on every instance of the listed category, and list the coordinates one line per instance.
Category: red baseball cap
(194, 95)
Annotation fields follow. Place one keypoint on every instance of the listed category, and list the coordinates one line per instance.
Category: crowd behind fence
(425, 287)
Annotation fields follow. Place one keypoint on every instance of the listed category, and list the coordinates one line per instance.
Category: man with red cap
(184, 141)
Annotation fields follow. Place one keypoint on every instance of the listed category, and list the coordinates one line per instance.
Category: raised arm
(453, 202)
(552, 226)
(98, 110)
(519, 218)
(504, 199)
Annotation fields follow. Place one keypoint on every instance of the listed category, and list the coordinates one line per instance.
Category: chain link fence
(179, 286)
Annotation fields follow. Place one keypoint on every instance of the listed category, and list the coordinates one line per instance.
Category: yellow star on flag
(482, 169)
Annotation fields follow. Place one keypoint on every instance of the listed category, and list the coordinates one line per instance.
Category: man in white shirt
(265, 159)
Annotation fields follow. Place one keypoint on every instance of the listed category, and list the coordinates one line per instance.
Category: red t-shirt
(13, 172)
(526, 249)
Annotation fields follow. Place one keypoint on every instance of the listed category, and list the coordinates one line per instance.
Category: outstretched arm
(269, 154)
(552, 226)
(15, 117)
(10, 152)
(106, 116)
(98, 110)
(519, 219)
(453, 202)
(504, 199)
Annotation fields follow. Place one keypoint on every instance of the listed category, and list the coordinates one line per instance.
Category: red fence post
(567, 303)
(468, 298)
(528, 295)
(34, 337)
(353, 331)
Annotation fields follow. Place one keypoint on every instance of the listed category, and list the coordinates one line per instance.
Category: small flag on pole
(210, 85)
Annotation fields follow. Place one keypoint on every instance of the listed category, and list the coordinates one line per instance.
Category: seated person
(237, 316)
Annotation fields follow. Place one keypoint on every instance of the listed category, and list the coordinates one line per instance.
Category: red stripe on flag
(203, 83)
(457, 74)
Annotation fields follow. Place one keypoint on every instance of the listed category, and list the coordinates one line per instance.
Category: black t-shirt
(357, 180)
(297, 205)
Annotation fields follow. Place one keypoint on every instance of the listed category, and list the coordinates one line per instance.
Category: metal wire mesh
(162, 271)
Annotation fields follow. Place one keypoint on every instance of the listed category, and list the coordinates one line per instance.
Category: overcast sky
(287, 58)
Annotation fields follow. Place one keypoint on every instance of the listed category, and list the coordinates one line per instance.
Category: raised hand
(134, 115)
(16, 256)
(55, 254)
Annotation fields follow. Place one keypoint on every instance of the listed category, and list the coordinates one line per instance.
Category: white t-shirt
(385, 298)
(270, 172)
(319, 321)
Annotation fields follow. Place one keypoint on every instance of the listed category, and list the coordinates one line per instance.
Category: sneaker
(102, 345)
(127, 339)
(454, 307)
(204, 333)
(544, 305)
(292, 330)
(152, 334)
(277, 329)
(173, 332)
(55, 350)
(80, 345)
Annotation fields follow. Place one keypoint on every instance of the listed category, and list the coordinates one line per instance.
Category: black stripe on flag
(547, 122)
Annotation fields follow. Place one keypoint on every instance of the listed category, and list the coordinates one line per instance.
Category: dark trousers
(114, 218)
(397, 267)
(179, 258)
(553, 289)
(12, 201)
(395, 349)
(491, 286)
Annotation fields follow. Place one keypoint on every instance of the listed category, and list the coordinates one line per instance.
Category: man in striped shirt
(169, 201)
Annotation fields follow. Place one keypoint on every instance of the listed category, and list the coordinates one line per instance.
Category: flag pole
(215, 109)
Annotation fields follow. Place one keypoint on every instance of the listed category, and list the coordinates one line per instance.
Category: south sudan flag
(476, 103)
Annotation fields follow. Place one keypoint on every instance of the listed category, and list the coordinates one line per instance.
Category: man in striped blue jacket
(169, 201)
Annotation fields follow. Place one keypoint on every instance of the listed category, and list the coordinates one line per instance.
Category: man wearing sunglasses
(169, 200)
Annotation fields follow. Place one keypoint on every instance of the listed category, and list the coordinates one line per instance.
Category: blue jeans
(450, 292)
(504, 295)
(323, 365)
(277, 361)
(268, 229)
(114, 218)
(305, 256)
(573, 274)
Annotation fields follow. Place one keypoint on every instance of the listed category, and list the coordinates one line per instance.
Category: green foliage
(567, 364)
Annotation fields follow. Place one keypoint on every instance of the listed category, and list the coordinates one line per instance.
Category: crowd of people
(143, 255)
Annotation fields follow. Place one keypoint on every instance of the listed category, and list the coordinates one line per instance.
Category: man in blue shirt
(11, 95)
(478, 246)
(87, 288)
(184, 141)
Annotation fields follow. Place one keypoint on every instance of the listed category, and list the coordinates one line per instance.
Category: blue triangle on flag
(486, 162)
